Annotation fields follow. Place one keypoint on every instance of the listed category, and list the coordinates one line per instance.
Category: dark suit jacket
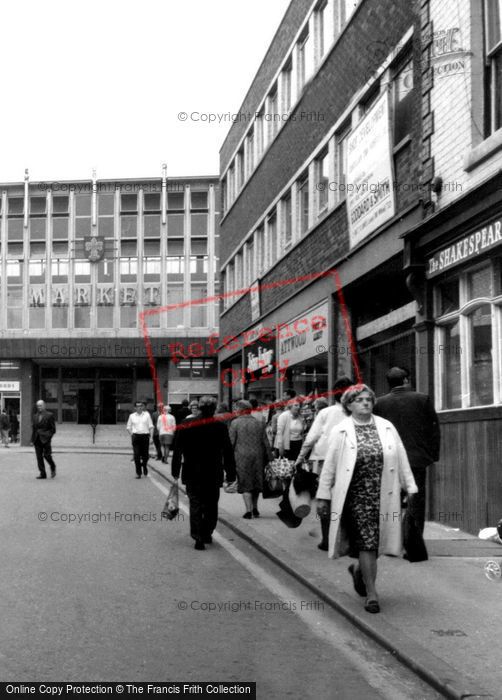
(206, 452)
(44, 429)
(416, 421)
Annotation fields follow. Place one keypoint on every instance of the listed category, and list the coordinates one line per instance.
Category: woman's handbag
(230, 487)
(171, 509)
(300, 502)
(281, 468)
(273, 487)
(413, 542)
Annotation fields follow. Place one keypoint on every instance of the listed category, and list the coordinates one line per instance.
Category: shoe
(138, 476)
(323, 546)
(256, 513)
(199, 544)
(207, 539)
(53, 473)
(42, 476)
(358, 581)
(248, 515)
(145, 472)
(372, 606)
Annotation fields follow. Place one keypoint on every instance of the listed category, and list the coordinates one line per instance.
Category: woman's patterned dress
(362, 504)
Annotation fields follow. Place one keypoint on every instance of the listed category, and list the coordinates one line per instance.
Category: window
(152, 202)
(303, 204)
(199, 224)
(466, 339)
(273, 115)
(287, 224)
(343, 12)
(259, 135)
(403, 101)
(128, 203)
(16, 206)
(198, 200)
(341, 162)
(286, 87)
(322, 182)
(305, 55)
(175, 201)
(197, 368)
(128, 268)
(493, 51)
(238, 271)
(175, 265)
(151, 266)
(271, 240)
(175, 225)
(325, 28)
(198, 312)
(60, 205)
(224, 194)
(250, 152)
(128, 316)
(198, 265)
(59, 269)
(239, 170)
(260, 251)
(174, 317)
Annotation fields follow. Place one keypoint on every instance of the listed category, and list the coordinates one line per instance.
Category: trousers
(140, 445)
(416, 506)
(43, 450)
(203, 500)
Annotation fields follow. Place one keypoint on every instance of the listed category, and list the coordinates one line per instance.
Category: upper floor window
(286, 87)
(322, 182)
(271, 240)
(260, 251)
(273, 115)
(341, 138)
(303, 203)
(343, 12)
(250, 152)
(287, 224)
(493, 53)
(325, 27)
(305, 62)
(403, 100)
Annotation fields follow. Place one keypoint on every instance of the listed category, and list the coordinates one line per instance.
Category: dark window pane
(151, 247)
(198, 200)
(198, 246)
(105, 226)
(199, 224)
(82, 205)
(403, 102)
(83, 227)
(479, 283)
(152, 225)
(15, 230)
(448, 296)
(481, 358)
(16, 205)
(128, 248)
(60, 227)
(38, 205)
(128, 202)
(175, 225)
(106, 203)
(175, 247)
(175, 200)
(37, 228)
(60, 205)
(59, 317)
(128, 226)
(152, 202)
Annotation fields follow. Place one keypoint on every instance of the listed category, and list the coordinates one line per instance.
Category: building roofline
(187, 179)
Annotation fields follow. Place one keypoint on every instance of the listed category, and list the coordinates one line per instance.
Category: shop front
(456, 262)
(303, 347)
(10, 397)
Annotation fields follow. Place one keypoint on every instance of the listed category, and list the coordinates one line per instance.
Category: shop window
(493, 57)
(466, 340)
(403, 101)
(448, 296)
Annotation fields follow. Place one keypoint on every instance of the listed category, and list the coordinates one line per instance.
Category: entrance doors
(12, 405)
(107, 401)
(85, 405)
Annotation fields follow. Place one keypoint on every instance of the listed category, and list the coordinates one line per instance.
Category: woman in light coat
(360, 485)
(290, 431)
(166, 425)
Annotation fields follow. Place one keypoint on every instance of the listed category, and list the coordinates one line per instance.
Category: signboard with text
(369, 183)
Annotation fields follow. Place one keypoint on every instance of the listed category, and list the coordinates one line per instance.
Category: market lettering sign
(466, 248)
(370, 183)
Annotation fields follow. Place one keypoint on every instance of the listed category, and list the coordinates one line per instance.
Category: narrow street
(119, 594)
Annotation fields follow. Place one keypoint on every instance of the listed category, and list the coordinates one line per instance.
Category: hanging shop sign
(466, 248)
(369, 184)
(305, 336)
(10, 386)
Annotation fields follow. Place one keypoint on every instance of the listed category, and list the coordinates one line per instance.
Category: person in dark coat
(204, 446)
(252, 452)
(416, 421)
(4, 427)
(183, 412)
(44, 427)
(156, 436)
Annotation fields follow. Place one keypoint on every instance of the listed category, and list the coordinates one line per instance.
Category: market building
(80, 263)
(371, 146)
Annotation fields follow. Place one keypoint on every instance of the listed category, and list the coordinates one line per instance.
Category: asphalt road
(94, 586)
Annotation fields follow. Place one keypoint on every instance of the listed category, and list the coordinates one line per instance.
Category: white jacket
(318, 435)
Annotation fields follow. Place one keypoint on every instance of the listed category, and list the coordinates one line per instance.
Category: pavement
(438, 617)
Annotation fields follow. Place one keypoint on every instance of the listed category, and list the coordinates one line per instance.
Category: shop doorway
(12, 405)
(108, 402)
(85, 406)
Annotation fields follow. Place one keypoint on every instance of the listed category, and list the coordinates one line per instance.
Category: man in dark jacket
(416, 421)
(207, 452)
(156, 436)
(4, 427)
(44, 427)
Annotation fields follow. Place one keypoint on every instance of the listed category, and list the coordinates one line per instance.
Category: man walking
(140, 428)
(44, 427)
(204, 445)
(4, 427)
(156, 436)
(416, 421)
